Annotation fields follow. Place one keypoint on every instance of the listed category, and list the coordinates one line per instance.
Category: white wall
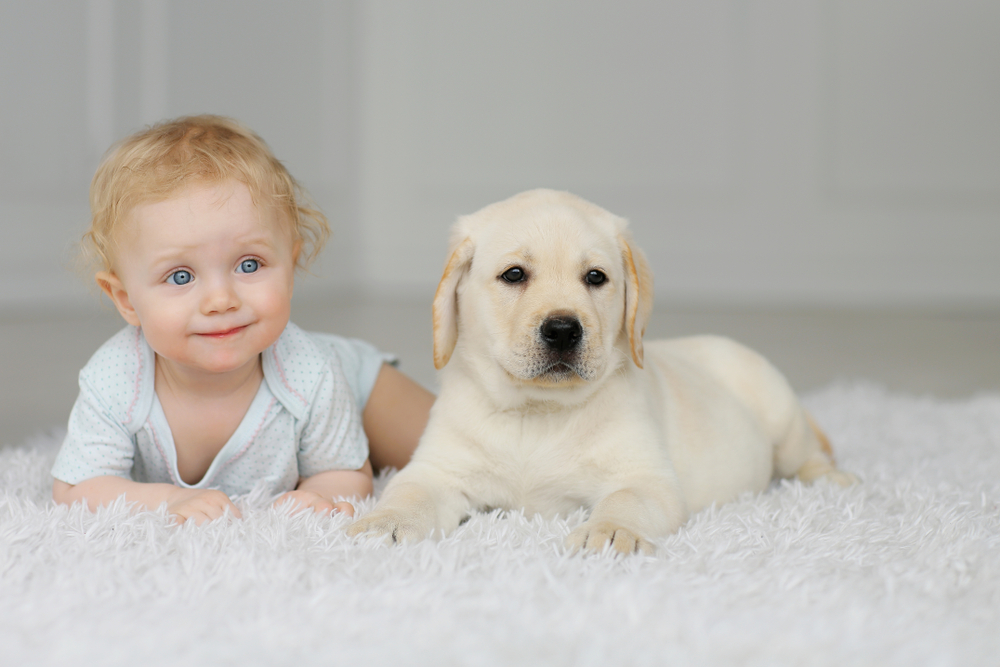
(767, 152)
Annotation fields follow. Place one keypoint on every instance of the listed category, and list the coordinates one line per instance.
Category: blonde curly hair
(151, 165)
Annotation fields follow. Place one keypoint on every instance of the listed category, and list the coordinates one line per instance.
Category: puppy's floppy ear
(638, 295)
(446, 303)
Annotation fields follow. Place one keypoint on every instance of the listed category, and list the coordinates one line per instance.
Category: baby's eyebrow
(173, 254)
(264, 241)
(178, 252)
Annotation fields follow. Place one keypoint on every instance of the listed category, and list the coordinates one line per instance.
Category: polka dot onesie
(305, 418)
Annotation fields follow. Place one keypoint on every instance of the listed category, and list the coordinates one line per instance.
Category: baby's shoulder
(119, 374)
(120, 355)
(297, 365)
(304, 366)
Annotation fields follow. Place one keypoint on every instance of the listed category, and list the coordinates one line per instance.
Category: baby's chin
(214, 364)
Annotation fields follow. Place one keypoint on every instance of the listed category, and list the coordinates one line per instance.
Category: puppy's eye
(595, 277)
(514, 274)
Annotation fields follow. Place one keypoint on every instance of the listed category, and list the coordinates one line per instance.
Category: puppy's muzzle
(561, 334)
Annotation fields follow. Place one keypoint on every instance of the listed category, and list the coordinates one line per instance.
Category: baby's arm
(394, 418)
(319, 490)
(202, 505)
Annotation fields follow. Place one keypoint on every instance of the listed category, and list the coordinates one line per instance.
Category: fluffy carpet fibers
(903, 569)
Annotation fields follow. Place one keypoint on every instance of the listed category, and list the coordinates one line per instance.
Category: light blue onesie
(305, 418)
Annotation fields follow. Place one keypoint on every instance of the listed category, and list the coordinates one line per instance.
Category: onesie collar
(293, 368)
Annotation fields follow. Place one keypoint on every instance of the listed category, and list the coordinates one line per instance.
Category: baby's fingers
(214, 503)
(214, 510)
(204, 509)
(190, 514)
(289, 497)
(344, 507)
(233, 509)
(322, 506)
(303, 500)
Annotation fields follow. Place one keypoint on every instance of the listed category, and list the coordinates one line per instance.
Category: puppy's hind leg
(805, 453)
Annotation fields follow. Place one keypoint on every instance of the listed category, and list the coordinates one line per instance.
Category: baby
(196, 234)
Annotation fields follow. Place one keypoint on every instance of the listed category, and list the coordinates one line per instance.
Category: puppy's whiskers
(621, 362)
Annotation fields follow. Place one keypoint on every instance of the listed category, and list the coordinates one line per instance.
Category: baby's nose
(220, 297)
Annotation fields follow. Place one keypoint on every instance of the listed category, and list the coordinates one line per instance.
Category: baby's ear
(112, 285)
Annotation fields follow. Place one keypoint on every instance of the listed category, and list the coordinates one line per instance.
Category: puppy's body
(550, 402)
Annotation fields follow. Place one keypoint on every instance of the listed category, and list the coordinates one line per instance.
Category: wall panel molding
(811, 152)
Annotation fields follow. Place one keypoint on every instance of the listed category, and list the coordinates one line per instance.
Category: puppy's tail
(824, 441)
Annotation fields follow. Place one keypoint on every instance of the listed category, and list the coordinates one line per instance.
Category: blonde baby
(210, 391)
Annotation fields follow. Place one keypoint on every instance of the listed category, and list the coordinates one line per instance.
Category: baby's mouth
(226, 333)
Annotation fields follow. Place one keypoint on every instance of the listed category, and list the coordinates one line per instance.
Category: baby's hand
(305, 499)
(202, 505)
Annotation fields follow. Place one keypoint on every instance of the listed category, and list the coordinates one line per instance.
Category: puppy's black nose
(561, 333)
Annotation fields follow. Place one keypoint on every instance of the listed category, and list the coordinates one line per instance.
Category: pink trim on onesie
(138, 376)
(163, 453)
(253, 437)
(284, 380)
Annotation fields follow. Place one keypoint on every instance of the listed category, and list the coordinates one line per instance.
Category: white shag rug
(903, 569)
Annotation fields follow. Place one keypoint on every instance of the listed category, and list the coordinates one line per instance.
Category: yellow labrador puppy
(550, 401)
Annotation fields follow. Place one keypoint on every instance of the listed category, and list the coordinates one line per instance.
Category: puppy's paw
(821, 467)
(840, 477)
(391, 524)
(593, 536)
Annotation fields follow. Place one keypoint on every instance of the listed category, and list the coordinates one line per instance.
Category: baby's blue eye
(249, 265)
(179, 277)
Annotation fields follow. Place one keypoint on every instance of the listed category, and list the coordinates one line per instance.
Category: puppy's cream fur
(641, 435)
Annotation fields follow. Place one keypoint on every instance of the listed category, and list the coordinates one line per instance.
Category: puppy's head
(542, 290)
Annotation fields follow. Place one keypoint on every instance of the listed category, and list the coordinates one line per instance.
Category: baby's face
(208, 276)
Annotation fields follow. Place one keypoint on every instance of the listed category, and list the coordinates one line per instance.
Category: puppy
(550, 401)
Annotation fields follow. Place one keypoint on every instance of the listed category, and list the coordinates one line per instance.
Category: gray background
(819, 178)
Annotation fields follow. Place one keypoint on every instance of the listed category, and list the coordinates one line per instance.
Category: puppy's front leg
(629, 518)
(419, 501)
